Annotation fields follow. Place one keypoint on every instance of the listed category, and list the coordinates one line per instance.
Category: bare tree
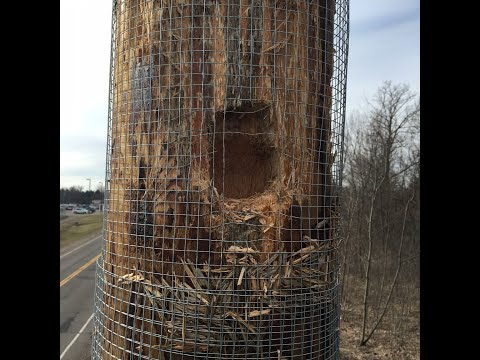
(381, 178)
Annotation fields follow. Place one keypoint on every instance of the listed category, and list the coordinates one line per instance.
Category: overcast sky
(384, 45)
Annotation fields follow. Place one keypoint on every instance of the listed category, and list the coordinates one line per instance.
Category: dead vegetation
(380, 250)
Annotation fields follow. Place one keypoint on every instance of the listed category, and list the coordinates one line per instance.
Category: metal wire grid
(220, 232)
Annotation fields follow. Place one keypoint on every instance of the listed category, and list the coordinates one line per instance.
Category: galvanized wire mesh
(223, 169)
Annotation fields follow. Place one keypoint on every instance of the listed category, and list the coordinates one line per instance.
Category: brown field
(398, 335)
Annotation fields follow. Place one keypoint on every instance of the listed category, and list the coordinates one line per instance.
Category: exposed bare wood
(221, 155)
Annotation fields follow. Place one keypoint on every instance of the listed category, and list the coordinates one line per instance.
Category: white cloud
(84, 70)
(390, 53)
(371, 10)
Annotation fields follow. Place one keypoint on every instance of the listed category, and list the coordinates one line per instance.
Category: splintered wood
(197, 306)
(220, 174)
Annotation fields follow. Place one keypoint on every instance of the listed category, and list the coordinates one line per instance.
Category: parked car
(80, 211)
(69, 207)
(90, 209)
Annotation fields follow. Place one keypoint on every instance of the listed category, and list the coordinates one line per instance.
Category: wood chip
(274, 279)
(300, 259)
(239, 282)
(256, 313)
(249, 217)
(303, 250)
(152, 291)
(238, 249)
(321, 224)
(129, 278)
(269, 226)
(220, 270)
(243, 322)
(288, 269)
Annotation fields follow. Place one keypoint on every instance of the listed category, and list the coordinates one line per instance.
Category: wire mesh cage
(223, 171)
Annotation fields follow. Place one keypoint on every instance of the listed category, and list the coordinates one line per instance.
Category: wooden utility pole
(220, 165)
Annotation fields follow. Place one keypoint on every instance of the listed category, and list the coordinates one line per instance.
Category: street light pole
(101, 194)
(89, 183)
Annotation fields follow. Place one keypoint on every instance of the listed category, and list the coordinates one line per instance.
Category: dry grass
(397, 337)
(75, 227)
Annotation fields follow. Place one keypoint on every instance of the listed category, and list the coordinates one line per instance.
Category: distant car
(90, 209)
(69, 207)
(80, 211)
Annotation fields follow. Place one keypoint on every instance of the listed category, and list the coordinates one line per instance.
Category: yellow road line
(75, 273)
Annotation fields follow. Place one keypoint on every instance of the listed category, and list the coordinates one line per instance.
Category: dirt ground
(396, 338)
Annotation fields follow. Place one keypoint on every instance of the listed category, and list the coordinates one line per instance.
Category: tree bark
(221, 139)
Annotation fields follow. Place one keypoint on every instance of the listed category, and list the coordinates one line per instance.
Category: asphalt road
(77, 282)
